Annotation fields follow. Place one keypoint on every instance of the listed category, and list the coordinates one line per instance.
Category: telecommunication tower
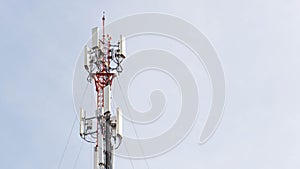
(102, 61)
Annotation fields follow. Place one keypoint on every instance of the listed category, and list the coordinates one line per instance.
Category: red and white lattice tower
(102, 61)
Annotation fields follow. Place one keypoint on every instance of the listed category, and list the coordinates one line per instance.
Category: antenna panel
(107, 99)
(122, 46)
(95, 37)
(87, 58)
(120, 122)
(82, 117)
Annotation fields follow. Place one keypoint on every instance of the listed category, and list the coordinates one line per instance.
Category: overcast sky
(258, 46)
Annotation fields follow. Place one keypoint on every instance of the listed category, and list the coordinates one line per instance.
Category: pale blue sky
(258, 45)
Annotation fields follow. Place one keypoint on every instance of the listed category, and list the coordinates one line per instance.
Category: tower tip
(103, 15)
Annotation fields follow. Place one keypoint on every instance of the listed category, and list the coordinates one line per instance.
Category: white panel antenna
(107, 99)
(87, 58)
(95, 37)
(122, 46)
(120, 123)
(82, 121)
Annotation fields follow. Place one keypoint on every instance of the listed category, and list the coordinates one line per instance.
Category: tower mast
(103, 63)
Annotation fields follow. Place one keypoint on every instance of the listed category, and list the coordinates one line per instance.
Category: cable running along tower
(102, 61)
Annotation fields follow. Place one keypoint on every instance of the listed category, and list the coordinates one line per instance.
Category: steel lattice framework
(103, 64)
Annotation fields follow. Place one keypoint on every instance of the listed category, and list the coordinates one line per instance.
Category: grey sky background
(257, 42)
